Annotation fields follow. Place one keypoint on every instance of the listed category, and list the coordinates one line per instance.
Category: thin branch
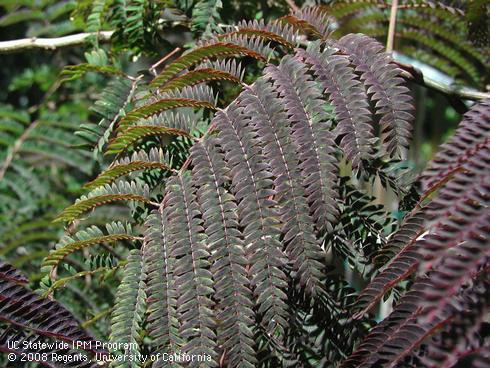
(16, 147)
(292, 5)
(163, 59)
(392, 27)
(412, 73)
(51, 43)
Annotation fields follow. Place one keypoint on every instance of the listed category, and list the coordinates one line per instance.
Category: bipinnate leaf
(129, 309)
(193, 279)
(313, 141)
(251, 185)
(28, 315)
(385, 87)
(219, 49)
(354, 128)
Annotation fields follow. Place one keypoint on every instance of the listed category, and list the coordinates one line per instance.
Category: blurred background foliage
(44, 161)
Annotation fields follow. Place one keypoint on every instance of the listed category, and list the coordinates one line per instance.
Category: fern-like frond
(310, 131)
(473, 134)
(259, 44)
(197, 76)
(311, 20)
(228, 258)
(201, 92)
(271, 123)
(390, 97)
(129, 309)
(252, 188)
(198, 55)
(131, 135)
(271, 31)
(350, 100)
(146, 111)
(119, 191)
(23, 308)
(404, 258)
(227, 66)
(93, 235)
(159, 260)
(138, 161)
(193, 279)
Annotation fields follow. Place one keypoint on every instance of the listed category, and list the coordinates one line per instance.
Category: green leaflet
(198, 76)
(198, 55)
(72, 212)
(160, 106)
(133, 134)
(117, 171)
(129, 310)
(55, 257)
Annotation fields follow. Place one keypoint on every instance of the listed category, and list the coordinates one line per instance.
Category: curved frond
(349, 99)
(228, 258)
(252, 187)
(193, 279)
(116, 171)
(195, 56)
(198, 76)
(390, 97)
(146, 111)
(129, 136)
(310, 131)
(129, 309)
(119, 191)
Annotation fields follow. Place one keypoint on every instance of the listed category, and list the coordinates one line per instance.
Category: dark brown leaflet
(350, 100)
(29, 317)
(314, 144)
(228, 260)
(384, 86)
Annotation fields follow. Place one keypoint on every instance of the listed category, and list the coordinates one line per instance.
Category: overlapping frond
(118, 191)
(129, 309)
(193, 279)
(228, 258)
(24, 309)
(450, 259)
(348, 97)
(390, 97)
(271, 123)
(314, 143)
(252, 187)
